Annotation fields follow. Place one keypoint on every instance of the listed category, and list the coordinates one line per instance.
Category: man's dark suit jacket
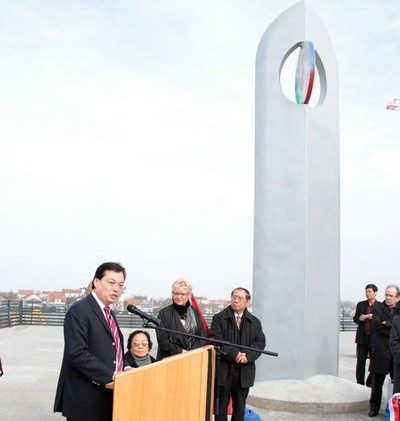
(88, 364)
(361, 309)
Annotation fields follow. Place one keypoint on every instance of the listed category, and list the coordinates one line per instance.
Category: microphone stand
(150, 325)
(211, 340)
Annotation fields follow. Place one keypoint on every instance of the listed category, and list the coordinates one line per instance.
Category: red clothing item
(367, 324)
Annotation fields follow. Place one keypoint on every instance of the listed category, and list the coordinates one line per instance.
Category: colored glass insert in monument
(305, 72)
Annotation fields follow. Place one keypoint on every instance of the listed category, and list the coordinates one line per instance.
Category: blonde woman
(180, 316)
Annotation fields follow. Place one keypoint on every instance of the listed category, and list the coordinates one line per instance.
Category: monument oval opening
(300, 75)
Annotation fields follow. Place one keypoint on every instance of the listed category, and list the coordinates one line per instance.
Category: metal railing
(14, 312)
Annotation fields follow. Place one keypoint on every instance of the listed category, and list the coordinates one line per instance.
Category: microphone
(143, 315)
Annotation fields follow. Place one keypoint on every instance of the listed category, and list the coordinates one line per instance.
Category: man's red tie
(117, 340)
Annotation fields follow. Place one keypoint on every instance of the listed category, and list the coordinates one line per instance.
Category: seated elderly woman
(180, 316)
(139, 346)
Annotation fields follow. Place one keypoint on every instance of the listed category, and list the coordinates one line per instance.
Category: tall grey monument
(296, 272)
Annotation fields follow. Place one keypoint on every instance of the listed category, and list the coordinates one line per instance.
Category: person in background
(236, 373)
(381, 358)
(89, 288)
(93, 350)
(363, 317)
(180, 316)
(394, 344)
(139, 346)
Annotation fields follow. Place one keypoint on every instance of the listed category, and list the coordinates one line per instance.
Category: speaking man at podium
(93, 350)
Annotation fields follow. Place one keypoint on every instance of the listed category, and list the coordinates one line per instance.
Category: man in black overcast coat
(237, 371)
(381, 358)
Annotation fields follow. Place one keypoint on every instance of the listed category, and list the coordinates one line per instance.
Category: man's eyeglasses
(113, 284)
(137, 343)
(238, 297)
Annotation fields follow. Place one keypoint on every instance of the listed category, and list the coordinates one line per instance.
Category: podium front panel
(178, 388)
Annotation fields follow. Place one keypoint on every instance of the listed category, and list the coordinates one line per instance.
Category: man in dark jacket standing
(364, 332)
(235, 324)
(381, 358)
(93, 350)
(394, 344)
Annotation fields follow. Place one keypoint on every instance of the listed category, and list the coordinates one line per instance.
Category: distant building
(72, 293)
(56, 297)
(133, 301)
(67, 296)
(33, 300)
(24, 293)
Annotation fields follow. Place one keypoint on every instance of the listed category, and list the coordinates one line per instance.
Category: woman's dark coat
(172, 343)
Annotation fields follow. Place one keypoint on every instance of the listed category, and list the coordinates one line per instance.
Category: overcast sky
(127, 134)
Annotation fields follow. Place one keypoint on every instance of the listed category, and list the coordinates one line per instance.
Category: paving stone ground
(32, 355)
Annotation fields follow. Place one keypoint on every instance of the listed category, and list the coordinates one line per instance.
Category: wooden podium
(178, 388)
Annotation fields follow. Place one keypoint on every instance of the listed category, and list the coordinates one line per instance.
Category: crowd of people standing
(94, 346)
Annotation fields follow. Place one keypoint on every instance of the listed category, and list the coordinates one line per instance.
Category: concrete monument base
(316, 395)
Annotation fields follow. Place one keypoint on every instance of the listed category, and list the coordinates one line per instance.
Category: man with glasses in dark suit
(236, 373)
(381, 357)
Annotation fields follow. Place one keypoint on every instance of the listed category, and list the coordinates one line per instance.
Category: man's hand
(241, 358)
